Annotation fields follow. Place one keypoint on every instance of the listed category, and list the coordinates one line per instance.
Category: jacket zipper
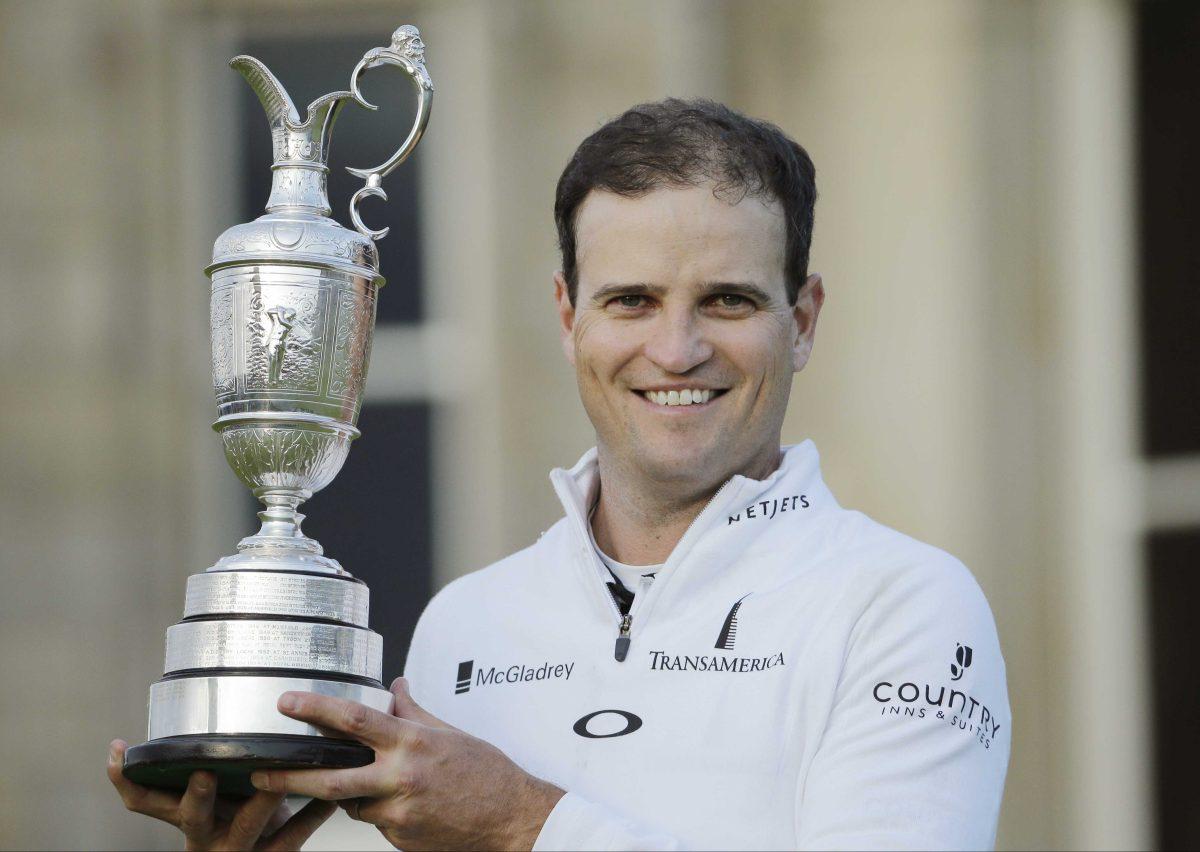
(622, 647)
(625, 625)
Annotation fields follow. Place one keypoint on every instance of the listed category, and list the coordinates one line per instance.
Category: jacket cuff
(576, 823)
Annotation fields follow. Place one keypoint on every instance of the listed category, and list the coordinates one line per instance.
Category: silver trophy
(293, 310)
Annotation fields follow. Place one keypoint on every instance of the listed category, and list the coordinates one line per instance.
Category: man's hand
(211, 823)
(431, 786)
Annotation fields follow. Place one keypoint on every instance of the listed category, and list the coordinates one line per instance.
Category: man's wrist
(531, 810)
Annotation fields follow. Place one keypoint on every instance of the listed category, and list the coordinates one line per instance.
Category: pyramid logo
(728, 635)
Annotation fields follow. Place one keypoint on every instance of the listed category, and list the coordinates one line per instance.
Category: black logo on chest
(768, 509)
(728, 635)
(585, 728)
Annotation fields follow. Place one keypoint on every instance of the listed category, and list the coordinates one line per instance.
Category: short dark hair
(682, 143)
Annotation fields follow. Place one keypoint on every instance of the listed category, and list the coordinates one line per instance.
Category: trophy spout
(300, 148)
(271, 94)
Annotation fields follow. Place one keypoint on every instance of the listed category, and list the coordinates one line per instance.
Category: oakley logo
(604, 728)
(728, 635)
(962, 662)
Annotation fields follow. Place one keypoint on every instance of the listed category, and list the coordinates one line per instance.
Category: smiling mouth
(687, 396)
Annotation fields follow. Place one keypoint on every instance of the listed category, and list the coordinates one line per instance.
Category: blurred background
(1007, 365)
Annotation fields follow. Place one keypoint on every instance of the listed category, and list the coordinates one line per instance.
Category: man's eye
(631, 301)
(731, 301)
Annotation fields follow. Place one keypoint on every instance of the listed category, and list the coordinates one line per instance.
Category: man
(706, 651)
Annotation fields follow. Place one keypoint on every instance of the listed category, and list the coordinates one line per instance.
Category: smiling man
(707, 650)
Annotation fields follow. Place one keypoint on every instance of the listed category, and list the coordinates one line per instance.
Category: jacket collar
(730, 523)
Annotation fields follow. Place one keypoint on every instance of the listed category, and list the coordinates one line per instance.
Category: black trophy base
(169, 762)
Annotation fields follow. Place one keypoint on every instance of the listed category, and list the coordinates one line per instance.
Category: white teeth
(687, 396)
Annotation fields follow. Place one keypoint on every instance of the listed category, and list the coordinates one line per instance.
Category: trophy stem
(280, 522)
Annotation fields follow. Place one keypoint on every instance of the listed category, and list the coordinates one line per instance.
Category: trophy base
(170, 761)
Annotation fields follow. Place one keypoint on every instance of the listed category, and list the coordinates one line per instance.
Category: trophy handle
(406, 51)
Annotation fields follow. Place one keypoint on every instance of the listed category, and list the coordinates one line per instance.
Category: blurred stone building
(975, 381)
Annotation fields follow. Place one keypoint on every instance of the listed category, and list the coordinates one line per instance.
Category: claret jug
(292, 314)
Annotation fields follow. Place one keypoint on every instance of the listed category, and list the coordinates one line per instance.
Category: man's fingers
(144, 800)
(404, 707)
(299, 828)
(251, 818)
(332, 785)
(378, 730)
(196, 807)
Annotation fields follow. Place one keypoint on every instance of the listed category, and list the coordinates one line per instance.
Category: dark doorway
(1174, 560)
(1168, 134)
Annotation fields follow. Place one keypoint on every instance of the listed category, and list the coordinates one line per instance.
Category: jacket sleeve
(915, 749)
(576, 823)
(420, 665)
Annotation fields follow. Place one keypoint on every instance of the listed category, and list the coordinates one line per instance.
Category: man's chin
(681, 465)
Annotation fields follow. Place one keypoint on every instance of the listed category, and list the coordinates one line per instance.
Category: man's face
(682, 296)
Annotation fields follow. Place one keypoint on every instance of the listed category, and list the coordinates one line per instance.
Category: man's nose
(678, 343)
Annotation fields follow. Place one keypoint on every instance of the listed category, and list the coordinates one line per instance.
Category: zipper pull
(622, 647)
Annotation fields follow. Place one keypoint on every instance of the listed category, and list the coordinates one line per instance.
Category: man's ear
(566, 316)
(808, 306)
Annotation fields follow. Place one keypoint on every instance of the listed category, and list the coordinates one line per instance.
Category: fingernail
(201, 784)
(112, 755)
(287, 701)
(260, 780)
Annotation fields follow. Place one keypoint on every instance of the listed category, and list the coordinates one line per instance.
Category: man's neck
(639, 523)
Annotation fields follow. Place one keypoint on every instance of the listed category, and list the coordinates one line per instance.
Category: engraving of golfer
(282, 321)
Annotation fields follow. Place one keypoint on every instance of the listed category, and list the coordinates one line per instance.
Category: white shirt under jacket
(798, 676)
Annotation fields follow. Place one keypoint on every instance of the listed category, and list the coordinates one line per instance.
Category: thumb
(404, 707)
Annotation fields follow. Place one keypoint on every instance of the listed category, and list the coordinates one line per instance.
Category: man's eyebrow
(635, 288)
(737, 288)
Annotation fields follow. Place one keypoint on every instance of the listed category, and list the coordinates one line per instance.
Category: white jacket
(797, 676)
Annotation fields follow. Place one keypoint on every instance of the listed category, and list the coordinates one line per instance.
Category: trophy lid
(297, 237)
(296, 228)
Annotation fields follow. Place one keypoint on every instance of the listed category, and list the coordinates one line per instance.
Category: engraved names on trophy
(277, 593)
(246, 643)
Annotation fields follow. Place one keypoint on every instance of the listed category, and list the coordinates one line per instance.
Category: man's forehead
(675, 232)
(701, 205)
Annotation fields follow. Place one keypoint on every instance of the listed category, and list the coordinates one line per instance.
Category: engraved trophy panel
(352, 345)
(222, 335)
(291, 339)
(292, 314)
(283, 339)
